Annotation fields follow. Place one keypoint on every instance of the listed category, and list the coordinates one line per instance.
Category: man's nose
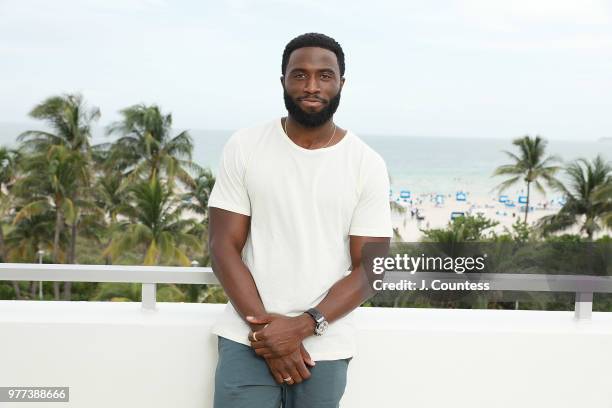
(312, 85)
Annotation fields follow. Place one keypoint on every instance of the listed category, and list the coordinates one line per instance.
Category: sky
(472, 68)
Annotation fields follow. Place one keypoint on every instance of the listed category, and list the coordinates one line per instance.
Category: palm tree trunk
(4, 254)
(71, 259)
(58, 226)
(527, 204)
(107, 258)
(17, 289)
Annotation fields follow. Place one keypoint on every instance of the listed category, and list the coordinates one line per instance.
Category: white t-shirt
(303, 205)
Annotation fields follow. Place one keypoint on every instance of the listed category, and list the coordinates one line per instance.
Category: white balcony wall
(118, 355)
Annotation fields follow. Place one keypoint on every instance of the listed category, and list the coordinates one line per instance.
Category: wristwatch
(320, 322)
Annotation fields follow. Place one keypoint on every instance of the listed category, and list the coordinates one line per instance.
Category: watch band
(320, 323)
(316, 315)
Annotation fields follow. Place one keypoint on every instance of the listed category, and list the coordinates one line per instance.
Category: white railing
(123, 354)
(150, 276)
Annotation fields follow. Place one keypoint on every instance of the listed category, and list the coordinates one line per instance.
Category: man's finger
(306, 356)
(275, 373)
(258, 344)
(277, 377)
(263, 319)
(295, 374)
(286, 374)
(256, 336)
(304, 372)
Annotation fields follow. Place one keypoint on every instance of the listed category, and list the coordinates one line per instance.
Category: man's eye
(326, 76)
(299, 76)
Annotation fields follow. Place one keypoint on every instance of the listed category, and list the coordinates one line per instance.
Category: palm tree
(196, 198)
(50, 184)
(156, 226)
(8, 171)
(530, 166)
(587, 198)
(65, 149)
(29, 236)
(603, 196)
(146, 148)
(70, 122)
(195, 201)
(112, 199)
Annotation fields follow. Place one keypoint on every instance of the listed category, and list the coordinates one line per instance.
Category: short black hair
(313, 40)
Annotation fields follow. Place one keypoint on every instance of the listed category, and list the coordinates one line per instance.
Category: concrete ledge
(118, 355)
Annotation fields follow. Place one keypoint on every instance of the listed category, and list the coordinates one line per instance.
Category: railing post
(584, 305)
(149, 296)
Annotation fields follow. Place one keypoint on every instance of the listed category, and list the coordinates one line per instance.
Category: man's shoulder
(366, 153)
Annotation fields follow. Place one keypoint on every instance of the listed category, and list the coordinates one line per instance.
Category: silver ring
(287, 379)
(254, 337)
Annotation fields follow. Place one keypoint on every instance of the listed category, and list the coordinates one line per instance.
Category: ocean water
(422, 165)
(425, 165)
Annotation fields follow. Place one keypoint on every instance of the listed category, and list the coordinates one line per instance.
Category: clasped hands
(278, 340)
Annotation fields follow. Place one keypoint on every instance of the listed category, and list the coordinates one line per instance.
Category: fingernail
(249, 317)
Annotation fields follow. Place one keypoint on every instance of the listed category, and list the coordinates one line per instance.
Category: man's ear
(282, 79)
(342, 82)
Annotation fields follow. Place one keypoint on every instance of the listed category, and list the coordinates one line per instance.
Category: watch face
(321, 327)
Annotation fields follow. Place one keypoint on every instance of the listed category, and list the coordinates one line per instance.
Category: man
(294, 202)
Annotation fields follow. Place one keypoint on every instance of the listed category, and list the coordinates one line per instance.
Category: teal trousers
(242, 379)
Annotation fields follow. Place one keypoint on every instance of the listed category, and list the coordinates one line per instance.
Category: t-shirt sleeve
(230, 192)
(372, 215)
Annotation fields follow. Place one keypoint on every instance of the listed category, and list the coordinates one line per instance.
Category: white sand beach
(437, 215)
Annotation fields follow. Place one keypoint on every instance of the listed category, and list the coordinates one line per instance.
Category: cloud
(503, 13)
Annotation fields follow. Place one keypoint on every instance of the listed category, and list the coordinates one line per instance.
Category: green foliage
(462, 229)
(588, 199)
(520, 232)
(529, 166)
(146, 147)
(61, 195)
(126, 202)
(155, 226)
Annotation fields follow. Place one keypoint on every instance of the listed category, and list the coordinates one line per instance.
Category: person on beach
(295, 201)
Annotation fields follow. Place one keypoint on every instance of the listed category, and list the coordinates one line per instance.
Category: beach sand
(439, 215)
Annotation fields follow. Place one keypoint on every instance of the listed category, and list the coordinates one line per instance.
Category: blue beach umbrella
(460, 196)
(522, 199)
(457, 214)
(405, 195)
(503, 198)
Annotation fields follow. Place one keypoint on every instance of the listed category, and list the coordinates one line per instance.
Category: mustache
(318, 98)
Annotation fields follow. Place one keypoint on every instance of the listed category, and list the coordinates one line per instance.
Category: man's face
(312, 85)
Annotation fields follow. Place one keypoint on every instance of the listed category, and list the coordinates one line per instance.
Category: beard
(311, 119)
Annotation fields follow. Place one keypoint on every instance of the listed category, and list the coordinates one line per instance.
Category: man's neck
(307, 137)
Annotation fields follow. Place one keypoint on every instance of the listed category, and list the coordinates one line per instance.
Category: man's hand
(280, 336)
(291, 367)
(255, 327)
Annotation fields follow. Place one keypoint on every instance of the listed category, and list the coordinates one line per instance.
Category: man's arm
(344, 296)
(351, 291)
(228, 232)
